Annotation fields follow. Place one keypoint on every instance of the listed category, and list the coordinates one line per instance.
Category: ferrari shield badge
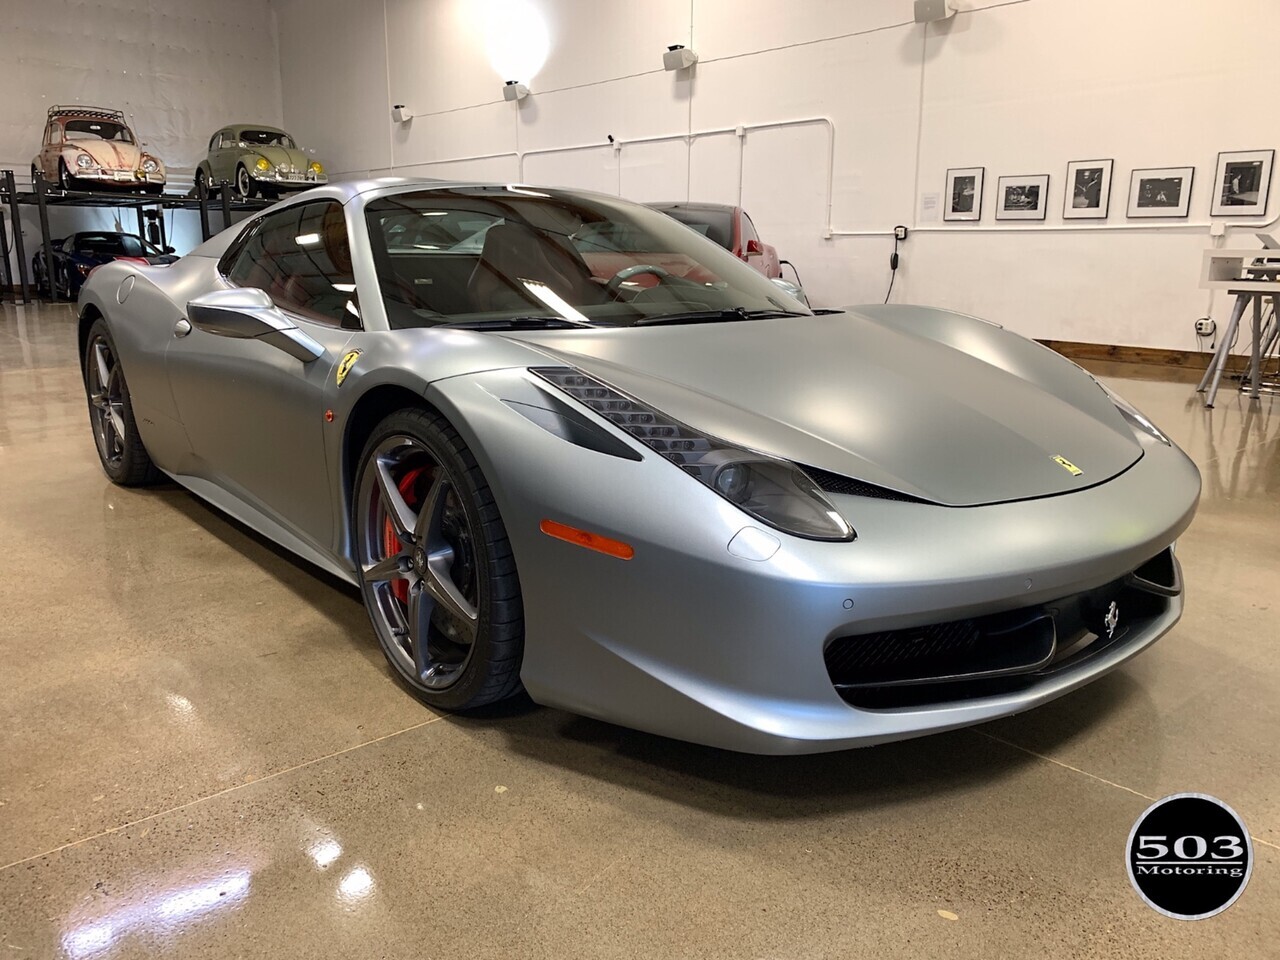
(1063, 462)
(345, 364)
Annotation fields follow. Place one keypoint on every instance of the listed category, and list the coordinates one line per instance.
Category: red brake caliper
(391, 544)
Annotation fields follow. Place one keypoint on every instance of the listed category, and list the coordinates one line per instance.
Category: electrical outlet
(900, 232)
(1205, 327)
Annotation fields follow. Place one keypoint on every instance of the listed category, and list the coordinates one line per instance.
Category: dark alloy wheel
(437, 573)
(120, 447)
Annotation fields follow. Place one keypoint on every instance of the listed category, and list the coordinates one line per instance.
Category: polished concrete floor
(205, 756)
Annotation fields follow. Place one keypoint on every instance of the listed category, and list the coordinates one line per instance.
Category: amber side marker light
(585, 538)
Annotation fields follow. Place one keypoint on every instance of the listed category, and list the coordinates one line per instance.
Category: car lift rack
(44, 195)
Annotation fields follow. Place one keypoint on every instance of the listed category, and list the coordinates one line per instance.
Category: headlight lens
(316, 168)
(1136, 419)
(773, 491)
(149, 164)
(84, 161)
(262, 164)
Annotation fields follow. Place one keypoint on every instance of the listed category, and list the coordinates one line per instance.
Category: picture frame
(963, 196)
(1242, 183)
(1022, 198)
(1161, 191)
(1088, 193)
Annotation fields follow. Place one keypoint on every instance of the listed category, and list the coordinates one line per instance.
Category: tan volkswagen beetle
(91, 148)
(258, 160)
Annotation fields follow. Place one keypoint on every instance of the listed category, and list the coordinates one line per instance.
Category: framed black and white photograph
(964, 194)
(1088, 190)
(1243, 182)
(1022, 198)
(1161, 192)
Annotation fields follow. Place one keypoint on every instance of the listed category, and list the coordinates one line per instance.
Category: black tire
(246, 187)
(37, 275)
(491, 670)
(35, 175)
(201, 178)
(65, 180)
(128, 463)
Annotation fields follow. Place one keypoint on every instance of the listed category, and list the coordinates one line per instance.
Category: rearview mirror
(246, 313)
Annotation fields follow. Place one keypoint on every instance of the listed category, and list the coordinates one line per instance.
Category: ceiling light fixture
(678, 57)
(514, 90)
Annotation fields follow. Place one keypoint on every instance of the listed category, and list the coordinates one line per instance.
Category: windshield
(267, 138)
(96, 130)
(712, 223)
(475, 254)
(112, 245)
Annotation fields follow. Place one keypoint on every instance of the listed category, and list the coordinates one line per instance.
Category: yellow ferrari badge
(344, 366)
(1063, 462)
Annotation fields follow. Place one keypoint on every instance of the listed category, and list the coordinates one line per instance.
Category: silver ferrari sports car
(563, 443)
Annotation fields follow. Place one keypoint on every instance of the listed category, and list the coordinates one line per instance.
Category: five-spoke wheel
(436, 569)
(120, 447)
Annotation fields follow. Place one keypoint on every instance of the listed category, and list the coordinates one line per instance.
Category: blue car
(76, 255)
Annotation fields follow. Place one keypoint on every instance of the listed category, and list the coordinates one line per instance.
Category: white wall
(179, 69)
(1017, 87)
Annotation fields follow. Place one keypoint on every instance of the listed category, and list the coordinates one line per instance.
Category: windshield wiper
(714, 316)
(518, 323)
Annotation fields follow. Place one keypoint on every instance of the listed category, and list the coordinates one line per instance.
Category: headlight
(149, 164)
(772, 491)
(84, 161)
(1134, 416)
(262, 165)
(316, 168)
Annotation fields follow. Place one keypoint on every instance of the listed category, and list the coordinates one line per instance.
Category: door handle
(182, 327)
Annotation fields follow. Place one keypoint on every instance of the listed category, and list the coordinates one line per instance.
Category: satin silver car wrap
(714, 631)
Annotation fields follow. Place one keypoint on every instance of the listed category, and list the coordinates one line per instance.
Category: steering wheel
(626, 273)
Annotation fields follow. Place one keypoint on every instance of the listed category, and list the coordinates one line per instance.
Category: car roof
(695, 207)
(255, 126)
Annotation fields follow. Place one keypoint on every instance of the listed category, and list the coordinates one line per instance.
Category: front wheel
(436, 569)
(244, 183)
(115, 431)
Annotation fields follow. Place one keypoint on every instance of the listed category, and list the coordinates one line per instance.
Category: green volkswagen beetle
(258, 159)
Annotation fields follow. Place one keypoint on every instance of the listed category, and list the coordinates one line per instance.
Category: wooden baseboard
(1150, 356)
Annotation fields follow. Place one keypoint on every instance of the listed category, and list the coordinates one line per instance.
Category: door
(254, 414)
(222, 157)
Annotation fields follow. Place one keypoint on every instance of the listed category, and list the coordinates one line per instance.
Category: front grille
(848, 486)
(986, 656)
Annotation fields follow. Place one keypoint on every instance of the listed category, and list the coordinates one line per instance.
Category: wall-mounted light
(678, 57)
(512, 90)
(401, 114)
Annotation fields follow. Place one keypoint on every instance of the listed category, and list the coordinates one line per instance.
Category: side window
(227, 140)
(214, 141)
(51, 133)
(748, 232)
(301, 257)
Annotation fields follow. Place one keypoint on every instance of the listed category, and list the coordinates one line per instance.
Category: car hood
(109, 154)
(281, 157)
(925, 402)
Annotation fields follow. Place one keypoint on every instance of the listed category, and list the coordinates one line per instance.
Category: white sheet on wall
(179, 69)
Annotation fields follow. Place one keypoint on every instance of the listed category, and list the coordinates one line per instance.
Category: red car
(731, 228)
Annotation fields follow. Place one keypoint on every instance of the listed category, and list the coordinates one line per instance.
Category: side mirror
(791, 289)
(246, 313)
(754, 248)
(170, 250)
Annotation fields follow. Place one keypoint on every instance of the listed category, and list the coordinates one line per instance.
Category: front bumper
(127, 178)
(277, 178)
(689, 640)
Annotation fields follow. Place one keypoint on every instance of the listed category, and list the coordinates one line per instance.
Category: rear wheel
(436, 568)
(115, 431)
